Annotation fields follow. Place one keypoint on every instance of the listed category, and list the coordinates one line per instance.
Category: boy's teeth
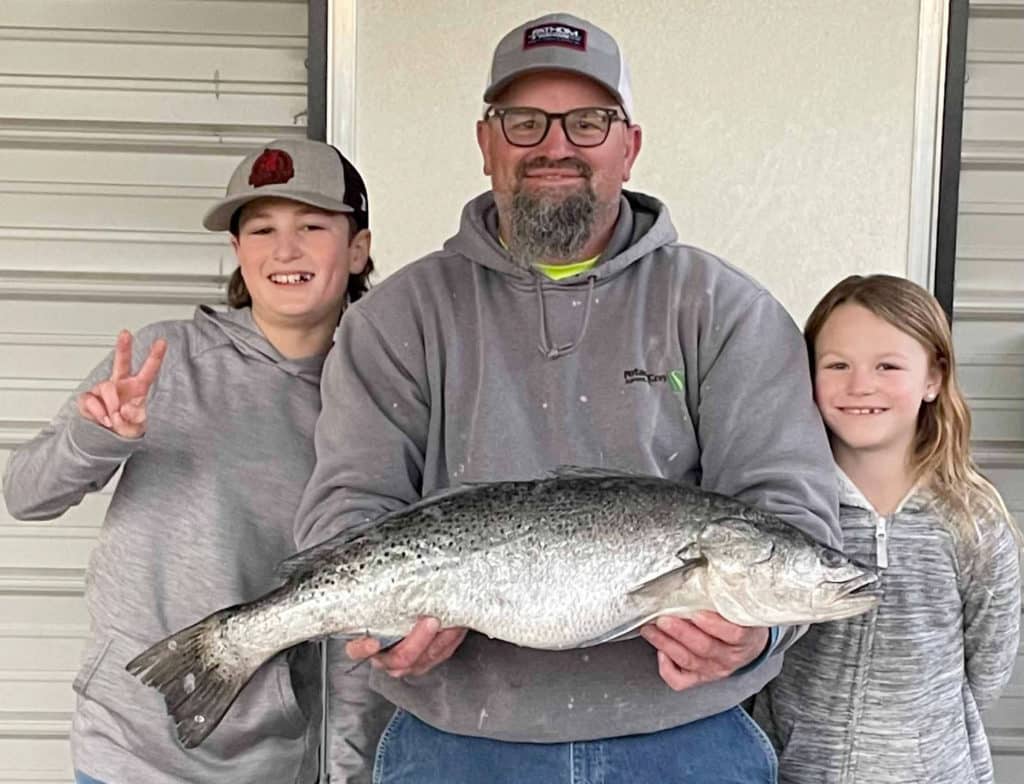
(292, 277)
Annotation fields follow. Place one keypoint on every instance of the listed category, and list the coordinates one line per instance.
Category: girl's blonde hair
(941, 449)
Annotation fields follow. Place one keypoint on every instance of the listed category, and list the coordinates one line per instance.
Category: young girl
(212, 420)
(896, 695)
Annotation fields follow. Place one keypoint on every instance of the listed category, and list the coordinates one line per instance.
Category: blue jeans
(81, 778)
(727, 748)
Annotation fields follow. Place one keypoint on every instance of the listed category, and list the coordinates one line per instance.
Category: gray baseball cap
(302, 170)
(561, 42)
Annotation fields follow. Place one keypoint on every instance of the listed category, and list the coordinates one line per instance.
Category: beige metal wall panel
(989, 294)
(120, 122)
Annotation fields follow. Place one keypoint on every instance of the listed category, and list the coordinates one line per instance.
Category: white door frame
(341, 76)
(932, 35)
(928, 108)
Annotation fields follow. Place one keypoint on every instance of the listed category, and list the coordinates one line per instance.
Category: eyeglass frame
(499, 112)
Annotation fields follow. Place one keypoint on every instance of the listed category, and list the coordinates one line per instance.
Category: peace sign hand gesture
(119, 403)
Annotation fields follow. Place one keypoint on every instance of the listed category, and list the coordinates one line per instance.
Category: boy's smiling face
(296, 260)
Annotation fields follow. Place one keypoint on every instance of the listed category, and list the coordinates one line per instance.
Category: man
(564, 324)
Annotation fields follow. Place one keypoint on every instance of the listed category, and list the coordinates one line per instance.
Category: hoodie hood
(644, 225)
(917, 498)
(238, 328)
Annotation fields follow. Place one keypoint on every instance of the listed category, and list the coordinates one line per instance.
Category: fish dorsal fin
(303, 562)
(596, 472)
(307, 560)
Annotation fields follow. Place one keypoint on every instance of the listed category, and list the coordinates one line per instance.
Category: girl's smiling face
(870, 380)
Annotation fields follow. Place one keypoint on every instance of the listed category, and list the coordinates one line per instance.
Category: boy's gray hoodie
(201, 516)
(895, 696)
(661, 359)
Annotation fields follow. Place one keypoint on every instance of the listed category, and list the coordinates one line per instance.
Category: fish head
(769, 575)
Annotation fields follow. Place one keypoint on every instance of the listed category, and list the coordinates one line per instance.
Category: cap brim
(492, 92)
(218, 217)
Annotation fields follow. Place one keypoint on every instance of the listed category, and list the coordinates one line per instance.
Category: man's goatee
(543, 228)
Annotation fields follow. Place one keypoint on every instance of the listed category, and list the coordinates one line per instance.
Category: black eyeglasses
(527, 127)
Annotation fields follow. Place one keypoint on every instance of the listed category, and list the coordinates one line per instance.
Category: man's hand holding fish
(703, 648)
(426, 646)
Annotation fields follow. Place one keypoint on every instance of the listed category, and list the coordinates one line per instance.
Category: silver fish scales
(576, 559)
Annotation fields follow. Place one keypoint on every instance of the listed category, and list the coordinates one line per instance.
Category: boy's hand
(119, 403)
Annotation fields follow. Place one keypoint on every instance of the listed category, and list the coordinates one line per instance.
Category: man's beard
(550, 225)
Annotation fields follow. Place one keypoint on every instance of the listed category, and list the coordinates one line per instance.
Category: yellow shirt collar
(559, 271)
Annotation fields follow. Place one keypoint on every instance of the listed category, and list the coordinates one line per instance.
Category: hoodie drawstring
(545, 347)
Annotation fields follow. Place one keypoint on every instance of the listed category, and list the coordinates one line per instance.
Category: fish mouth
(851, 597)
(862, 586)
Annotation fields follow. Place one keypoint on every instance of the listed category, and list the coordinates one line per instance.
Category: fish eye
(832, 558)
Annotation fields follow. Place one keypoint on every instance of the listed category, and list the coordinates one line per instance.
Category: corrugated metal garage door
(119, 121)
(989, 294)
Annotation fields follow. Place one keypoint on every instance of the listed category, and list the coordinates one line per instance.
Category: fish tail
(197, 685)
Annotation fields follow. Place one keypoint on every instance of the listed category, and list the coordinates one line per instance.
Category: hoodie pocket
(302, 691)
(95, 652)
(266, 708)
(287, 688)
(806, 755)
(945, 755)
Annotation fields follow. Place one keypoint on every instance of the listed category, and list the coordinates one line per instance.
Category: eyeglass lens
(586, 127)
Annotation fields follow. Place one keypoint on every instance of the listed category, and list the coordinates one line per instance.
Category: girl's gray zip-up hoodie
(895, 695)
(661, 359)
(201, 515)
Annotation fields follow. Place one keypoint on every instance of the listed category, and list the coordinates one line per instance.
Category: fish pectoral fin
(650, 593)
(669, 581)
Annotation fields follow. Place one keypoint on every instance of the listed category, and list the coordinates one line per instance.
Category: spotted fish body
(574, 560)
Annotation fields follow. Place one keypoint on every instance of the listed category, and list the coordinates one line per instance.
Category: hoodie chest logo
(674, 378)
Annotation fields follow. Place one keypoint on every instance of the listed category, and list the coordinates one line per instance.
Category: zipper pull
(881, 543)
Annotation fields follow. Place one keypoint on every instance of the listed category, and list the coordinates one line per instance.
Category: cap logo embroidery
(273, 167)
(555, 35)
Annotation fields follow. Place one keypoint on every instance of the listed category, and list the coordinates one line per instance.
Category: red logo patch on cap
(555, 35)
(273, 167)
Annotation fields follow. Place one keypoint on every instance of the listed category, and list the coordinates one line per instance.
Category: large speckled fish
(577, 559)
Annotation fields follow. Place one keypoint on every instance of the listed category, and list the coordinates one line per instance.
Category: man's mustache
(575, 165)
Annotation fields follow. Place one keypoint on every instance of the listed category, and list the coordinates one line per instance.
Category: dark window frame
(950, 154)
(316, 71)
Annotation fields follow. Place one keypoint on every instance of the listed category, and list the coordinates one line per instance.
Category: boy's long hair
(941, 452)
(238, 293)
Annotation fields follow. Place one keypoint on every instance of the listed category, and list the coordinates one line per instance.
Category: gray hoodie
(201, 516)
(661, 359)
(895, 695)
